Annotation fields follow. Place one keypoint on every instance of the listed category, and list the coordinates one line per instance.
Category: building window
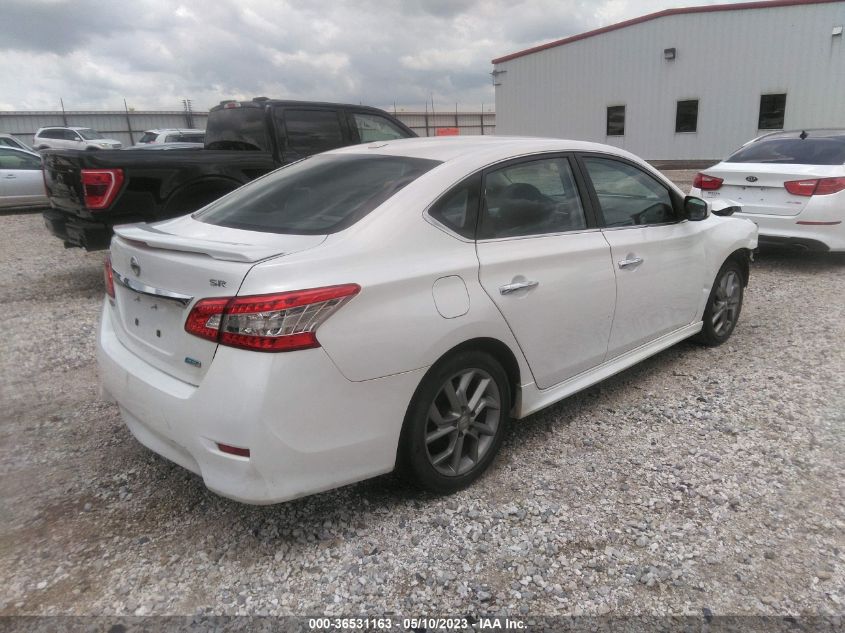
(772, 108)
(686, 116)
(616, 120)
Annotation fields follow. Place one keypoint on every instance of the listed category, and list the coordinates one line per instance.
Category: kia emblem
(751, 178)
(135, 266)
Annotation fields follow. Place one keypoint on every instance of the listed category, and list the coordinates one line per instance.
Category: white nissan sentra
(395, 305)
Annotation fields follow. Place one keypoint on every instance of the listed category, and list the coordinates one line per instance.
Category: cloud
(93, 53)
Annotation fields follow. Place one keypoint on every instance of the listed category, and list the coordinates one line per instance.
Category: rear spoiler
(226, 251)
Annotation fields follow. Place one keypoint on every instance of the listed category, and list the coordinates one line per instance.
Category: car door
(72, 140)
(658, 257)
(306, 131)
(546, 265)
(21, 182)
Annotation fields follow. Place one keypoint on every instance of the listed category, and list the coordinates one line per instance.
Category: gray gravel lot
(701, 478)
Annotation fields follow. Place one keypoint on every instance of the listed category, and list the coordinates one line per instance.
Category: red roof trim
(660, 14)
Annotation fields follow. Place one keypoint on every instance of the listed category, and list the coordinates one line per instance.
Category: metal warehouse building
(682, 84)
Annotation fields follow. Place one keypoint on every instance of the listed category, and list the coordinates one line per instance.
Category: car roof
(485, 149)
(261, 102)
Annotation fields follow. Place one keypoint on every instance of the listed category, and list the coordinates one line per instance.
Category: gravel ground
(699, 479)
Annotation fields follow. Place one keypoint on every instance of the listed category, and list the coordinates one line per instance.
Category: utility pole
(64, 116)
(128, 122)
(189, 112)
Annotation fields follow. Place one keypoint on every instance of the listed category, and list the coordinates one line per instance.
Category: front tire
(723, 306)
(455, 423)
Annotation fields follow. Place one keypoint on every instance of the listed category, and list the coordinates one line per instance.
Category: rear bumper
(307, 427)
(783, 231)
(75, 231)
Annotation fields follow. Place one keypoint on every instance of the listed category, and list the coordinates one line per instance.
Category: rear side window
(531, 198)
(316, 196)
(312, 131)
(237, 128)
(458, 209)
(810, 151)
(53, 133)
(191, 138)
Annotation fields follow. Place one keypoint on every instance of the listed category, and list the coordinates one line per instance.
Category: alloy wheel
(726, 302)
(462, 422)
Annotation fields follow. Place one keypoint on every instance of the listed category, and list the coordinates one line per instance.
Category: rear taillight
(101, 186)
(280, 322)
(801, 187)
(815, 186)
(706, 183)
(108, 276)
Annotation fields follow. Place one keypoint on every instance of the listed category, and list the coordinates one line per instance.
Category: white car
(72, 138)
(791, 184)
(21, 181)
(10, 140)
(172, 135)
(394, 305)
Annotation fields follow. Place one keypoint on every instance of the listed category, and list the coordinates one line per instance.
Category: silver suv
(72, 138)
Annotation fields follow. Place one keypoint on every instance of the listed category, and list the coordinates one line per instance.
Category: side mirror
(695, 209)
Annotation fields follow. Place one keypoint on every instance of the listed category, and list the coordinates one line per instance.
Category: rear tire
(455, 423)
(723, 306)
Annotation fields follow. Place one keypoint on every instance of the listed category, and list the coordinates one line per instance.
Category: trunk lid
(765, 193)
(161, 270)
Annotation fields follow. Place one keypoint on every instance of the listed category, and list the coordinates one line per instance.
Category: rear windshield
(243, 128)
(315, 196)
(810, 151)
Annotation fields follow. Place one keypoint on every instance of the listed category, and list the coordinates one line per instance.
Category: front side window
(628, 196)
(70, 135)
(10, 159)
(531, 198)
(316, 196)
(616, 120)
(686, 116)
(372, 127)
(312, 131)
(148, 137)
(90, 135)
(772, 110)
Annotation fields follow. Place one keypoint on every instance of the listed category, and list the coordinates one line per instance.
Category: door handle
(517, 285)
(9, 176)
(631, 261)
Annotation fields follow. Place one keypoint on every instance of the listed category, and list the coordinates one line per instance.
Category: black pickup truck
(90, 192)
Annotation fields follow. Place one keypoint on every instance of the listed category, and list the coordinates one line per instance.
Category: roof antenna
(803, 135)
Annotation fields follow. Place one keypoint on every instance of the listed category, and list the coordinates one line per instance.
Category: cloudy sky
(93, 53)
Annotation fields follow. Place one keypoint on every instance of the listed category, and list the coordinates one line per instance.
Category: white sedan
(396, 305)
(791, 184)
(21, 180)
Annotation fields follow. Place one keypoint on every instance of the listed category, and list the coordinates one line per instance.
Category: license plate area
(153, 321)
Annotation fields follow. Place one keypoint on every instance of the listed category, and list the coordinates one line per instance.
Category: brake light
(280, 322)
(101, 186)
(801, 187)
(828, 186)
(108, 276)
(706, 183)
(815, 186)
